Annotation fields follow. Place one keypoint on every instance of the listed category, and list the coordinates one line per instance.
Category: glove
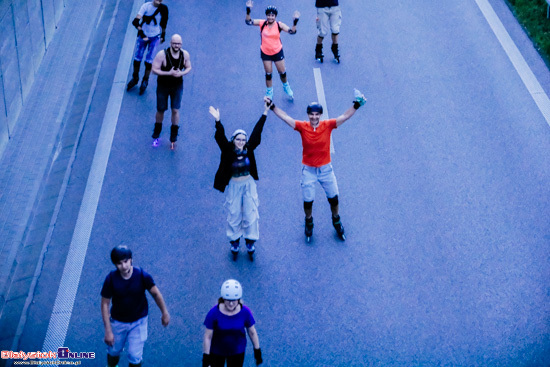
(258, 356)
(162, 37)
(248, 10)
(359, 99)
(206, 360)
(141, 34)
(295, 21)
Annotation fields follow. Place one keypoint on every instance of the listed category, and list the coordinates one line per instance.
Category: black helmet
(271, 10)
(119, 253)
(314, 107)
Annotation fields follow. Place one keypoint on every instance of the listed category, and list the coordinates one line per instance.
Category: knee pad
(333, 201)
(282, 75)
(148, 66)
(268, 76)
(308, 205)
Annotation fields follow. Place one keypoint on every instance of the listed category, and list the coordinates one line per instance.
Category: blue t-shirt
(229, 336)
(128, 295)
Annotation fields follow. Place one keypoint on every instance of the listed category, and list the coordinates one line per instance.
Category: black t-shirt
(325, 3)
(128, 295)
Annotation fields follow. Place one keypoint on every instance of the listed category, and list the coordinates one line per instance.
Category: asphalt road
(444, 194)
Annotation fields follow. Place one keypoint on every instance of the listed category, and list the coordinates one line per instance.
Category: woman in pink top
(272, 48)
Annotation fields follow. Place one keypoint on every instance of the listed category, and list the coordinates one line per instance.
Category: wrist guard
(258, 356)
(141, 34)
(356, 105)
(248, 10)
(162, 36)
(296, 21)
(135, 22)
(290, 31)
(272, 106)
(206, 360)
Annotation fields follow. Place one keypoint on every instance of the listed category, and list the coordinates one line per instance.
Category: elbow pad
(292, 32)
(135, 22)
(249, 22)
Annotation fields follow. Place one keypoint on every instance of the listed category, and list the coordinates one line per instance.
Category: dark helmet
(271, 10)
(314, 107)
(119, 253)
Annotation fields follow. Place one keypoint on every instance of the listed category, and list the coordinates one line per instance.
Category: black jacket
(223, 175)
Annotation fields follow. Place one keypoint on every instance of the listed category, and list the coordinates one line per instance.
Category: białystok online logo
(62, 353)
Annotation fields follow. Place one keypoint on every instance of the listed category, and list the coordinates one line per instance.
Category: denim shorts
(324, 175)
(174, 93)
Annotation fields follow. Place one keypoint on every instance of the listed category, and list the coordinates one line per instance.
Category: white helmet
(231, 290)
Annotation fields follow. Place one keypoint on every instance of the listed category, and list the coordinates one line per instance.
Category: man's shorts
(324, 175)
(329, 19)
(277, 57)
(174, 93)
(151, 46)
(132, 335)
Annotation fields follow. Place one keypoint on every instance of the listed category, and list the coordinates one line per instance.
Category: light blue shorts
(133, 334)
(324, 175)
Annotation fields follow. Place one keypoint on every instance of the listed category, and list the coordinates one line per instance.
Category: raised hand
(215, 112)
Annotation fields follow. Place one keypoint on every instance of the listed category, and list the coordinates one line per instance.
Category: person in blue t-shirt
(127, 321)
(225, 337)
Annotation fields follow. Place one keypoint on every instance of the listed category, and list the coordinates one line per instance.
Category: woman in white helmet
(237, 172)
(225, 337)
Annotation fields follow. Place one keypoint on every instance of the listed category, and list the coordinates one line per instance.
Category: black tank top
(167, 80)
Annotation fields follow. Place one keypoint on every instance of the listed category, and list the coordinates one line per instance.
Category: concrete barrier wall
(27, 28)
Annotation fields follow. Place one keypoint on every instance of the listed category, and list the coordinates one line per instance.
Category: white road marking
(321, 99)
(524, 71)
(64, 301)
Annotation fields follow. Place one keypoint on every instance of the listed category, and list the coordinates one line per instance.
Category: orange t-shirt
(271, 38)
(315, 144)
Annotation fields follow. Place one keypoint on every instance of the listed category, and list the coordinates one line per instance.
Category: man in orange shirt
(316, 157)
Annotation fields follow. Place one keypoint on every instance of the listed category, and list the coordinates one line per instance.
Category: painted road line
(321, 99)
(524, 71)
(64, 302)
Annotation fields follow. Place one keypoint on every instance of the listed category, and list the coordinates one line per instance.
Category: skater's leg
(236, 360)
(250, 214)
(334, 206)
(162, 106)
(308, 209)
(112, 361)
(327, 179)
(268, 67)
(216, 360)
(307, 183)
(175, 117)
(120, 332)
(136, 340)
(233, 205)
(280, 65)
(145, 81)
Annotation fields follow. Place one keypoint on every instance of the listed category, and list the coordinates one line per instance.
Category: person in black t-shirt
(127, 321)
(170, 65)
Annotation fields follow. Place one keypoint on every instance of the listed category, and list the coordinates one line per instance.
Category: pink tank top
(271, 38)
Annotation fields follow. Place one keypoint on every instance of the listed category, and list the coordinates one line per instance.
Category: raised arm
(358, 102)
(292, 30)
(256, 136)
(248, 20)
(280, 113)
(220, 137)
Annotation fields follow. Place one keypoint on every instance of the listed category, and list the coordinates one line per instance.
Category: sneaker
(288, 91)
(269, 93)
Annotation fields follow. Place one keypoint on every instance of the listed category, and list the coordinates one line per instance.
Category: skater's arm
(207, 340)
(157, 63)
(345, 116)
(220, 137)
(253, 335)
(292, 30)
(159, 300)
(283, 116)
(186, 63)
(109, 336)
(248, 20)
(256, 136)
(357, 103)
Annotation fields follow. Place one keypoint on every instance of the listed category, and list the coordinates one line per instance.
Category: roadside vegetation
(532, 16)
